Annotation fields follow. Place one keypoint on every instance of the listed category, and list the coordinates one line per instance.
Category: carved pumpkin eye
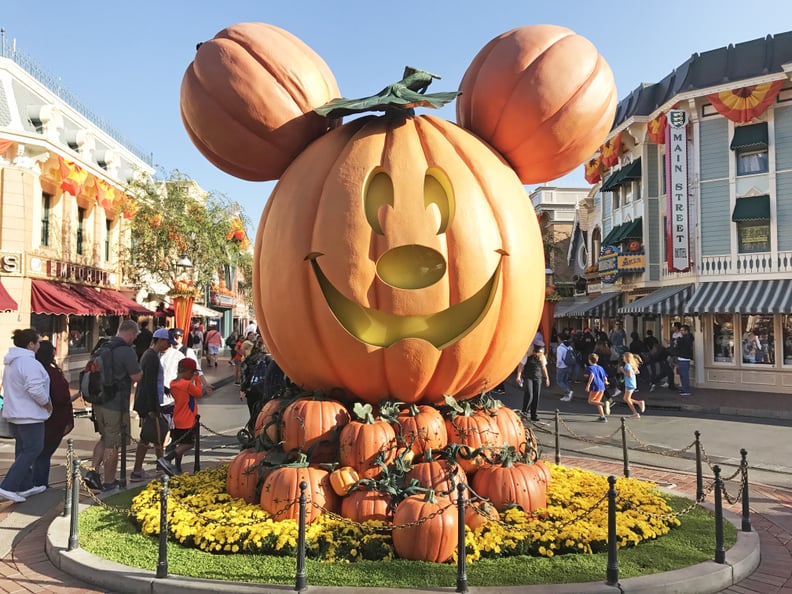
(378, 193)
(438, 193)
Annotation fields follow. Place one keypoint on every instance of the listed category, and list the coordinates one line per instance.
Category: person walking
(684, 355)
(630, 369)
(61, 421)
(26, 406)
(214, 342)
(531, 374)
(185, 389)
(564, 366)
(597, 382)
(143, 340)
(148, 396)
(111, 419)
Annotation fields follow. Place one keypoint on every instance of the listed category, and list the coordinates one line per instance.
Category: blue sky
(125, 60)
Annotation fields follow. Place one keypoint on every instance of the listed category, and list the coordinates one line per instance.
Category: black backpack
(192, 339)
(570, 360)
(96, 378)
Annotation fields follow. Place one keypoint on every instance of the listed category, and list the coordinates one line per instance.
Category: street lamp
(184, 262)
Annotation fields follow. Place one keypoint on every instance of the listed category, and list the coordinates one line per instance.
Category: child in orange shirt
(184, 389)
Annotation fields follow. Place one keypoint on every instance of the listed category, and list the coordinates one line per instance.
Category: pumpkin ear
(247, 99)
(542, 96)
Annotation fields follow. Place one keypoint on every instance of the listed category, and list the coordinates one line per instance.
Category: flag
(743, 104)
(73, 177)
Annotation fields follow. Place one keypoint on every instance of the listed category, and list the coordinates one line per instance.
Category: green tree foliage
(175, 218)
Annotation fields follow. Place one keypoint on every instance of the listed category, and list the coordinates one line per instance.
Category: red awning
(129, 306)
(61, 299)
(7, 302)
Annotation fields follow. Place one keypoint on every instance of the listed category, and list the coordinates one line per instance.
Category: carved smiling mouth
(382, 329)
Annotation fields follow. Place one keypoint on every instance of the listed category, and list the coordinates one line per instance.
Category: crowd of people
(609, 363)
(159, 373)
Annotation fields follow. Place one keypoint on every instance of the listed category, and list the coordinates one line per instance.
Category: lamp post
(548, 313)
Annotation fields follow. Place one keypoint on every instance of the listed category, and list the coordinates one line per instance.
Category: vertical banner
(677, 227)
(182, 307)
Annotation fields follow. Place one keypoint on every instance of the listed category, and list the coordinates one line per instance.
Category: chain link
(652, 450)
(599, 441)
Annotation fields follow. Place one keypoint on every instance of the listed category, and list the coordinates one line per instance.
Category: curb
(704, 578)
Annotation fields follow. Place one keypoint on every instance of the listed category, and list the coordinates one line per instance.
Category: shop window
(752, 162)
(46, 208)
(44, 324)
(80, 229)
(723, 338)
(758, 341)
(753, 236)
(108, 230)
(79, 333)
(787, 329)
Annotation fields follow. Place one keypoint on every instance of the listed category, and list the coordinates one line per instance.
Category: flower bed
(201, 514)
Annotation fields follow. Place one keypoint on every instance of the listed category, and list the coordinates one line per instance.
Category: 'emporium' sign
(677, 228)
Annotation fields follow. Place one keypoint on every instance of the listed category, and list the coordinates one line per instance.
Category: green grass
(111, 536)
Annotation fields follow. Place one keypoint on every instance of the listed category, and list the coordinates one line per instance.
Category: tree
(176, 218)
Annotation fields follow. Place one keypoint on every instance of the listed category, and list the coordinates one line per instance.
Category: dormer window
(750, 149)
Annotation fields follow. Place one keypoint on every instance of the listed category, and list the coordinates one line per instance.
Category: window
(753, 236)
(787, 330)
(615, 193)
(80, 229)
(79, 333)
(108, 229)
(758, 341)
(46, 206)
(44, 324)
(752, 162)
(723, 338)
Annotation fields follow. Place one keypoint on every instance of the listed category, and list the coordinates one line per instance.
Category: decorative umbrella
(743, 104)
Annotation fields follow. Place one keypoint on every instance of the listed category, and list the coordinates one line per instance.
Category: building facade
(693, 201)
(63, 216)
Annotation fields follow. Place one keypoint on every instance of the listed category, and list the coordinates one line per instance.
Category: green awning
(750, 137)
(632, 230)
(627, 173)
(755, 208)
(609, 238)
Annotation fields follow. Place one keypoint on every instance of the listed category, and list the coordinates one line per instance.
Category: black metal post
(69, 457)
(300, 577)
(74, 540)
(122, 478)
(461, 582)
(612, 573)
(699, 473)
(720, 550)
(197, 447)
(625, 450)
(162, 559)
(557, 437)
(746, 504)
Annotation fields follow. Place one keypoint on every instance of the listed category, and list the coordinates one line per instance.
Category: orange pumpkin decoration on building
(247, 99)
(543, 96)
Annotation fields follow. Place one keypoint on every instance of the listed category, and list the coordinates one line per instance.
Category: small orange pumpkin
(421, 427)
(281, 491)
(439, 474)
(512, 483)
(311, 425)
(247, 99)
(634, 246)
(342, 479)
(425, 528)
(474, 428)
(363, 505)
(539, 86)
(244, 474)
(363, 442)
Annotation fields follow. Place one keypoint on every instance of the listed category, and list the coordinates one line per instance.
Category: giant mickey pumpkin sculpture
(398, 256)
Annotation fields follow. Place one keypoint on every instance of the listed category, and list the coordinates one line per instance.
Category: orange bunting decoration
(656, 128)
(611, 150)
(105, 194)
(593, 172)
(743, 104)
(73, 177)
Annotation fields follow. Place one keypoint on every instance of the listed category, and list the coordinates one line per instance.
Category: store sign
(11, 263)
(609, 264)
(677, 227)
(628, 262)
(74, 273)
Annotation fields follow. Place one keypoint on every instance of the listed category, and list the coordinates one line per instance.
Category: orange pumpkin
(281, 491)
(389, 259)
(420, 428)
(363, 442)
(244, 474)
(543, 96)
(474, 429)
(438, 474)
(512, 483)
(634, 246)
(311, 425)
(247, 99)
(479, 513)
(363, 505)
(511, 427)
(343, 479)
(425, 528)
(268, 419)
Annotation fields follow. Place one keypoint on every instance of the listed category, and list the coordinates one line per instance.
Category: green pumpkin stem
(364, 412)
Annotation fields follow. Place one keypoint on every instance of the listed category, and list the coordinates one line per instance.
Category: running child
(631, 363)
(597, 382)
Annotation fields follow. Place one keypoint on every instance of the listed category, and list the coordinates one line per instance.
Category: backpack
(230, 342)
(192, 340)
(96, 378)
(570, 360)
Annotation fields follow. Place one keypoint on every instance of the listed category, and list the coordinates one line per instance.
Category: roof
(750, 59)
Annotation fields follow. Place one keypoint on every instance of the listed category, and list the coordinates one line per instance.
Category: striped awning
(667, 301)
(743, 297)
(602, 306)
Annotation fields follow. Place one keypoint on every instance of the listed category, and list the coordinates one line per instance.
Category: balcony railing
(740, 264)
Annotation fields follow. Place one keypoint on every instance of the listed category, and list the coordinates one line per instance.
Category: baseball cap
(177, 332)
(188, 364)
(164, 334)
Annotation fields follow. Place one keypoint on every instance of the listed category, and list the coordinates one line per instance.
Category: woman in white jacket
(26, 405)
